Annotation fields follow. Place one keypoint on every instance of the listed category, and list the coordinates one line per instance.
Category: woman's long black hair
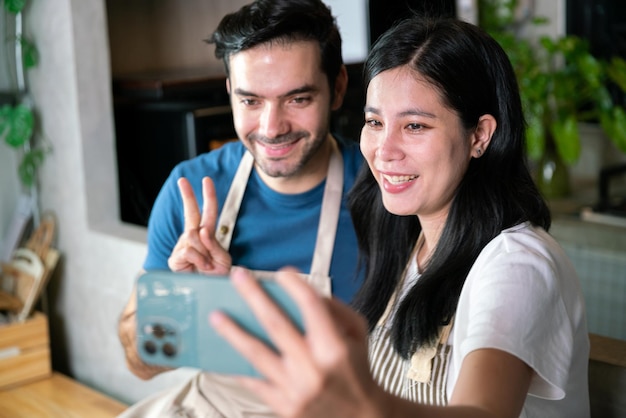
(474, 77)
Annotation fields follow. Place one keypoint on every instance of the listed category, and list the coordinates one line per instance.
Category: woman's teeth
(398, 179)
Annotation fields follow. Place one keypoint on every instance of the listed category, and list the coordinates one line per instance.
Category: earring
(478, 152)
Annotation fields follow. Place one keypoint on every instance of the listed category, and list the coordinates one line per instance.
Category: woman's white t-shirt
(523, 296)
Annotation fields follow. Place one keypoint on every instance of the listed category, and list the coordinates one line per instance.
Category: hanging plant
(14, 6)
(17, 122)
(30, 54)
(16, 125)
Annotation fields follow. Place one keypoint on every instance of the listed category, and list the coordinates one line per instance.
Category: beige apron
(209, 395)
(423, 378)
(319, 276)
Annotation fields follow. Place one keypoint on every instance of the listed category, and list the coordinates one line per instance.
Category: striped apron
(423, 377)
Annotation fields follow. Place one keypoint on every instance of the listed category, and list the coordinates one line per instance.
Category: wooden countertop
(608, 350)
(57, 396)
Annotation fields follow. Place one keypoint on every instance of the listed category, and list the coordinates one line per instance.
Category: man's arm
(196, 250)
(127, 332)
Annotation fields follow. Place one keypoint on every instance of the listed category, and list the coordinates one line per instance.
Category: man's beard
(279, 167)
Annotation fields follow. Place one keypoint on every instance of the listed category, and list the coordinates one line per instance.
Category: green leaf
(535, 137)
(14, 6)
(591, 70)
(534, 143)
(617, 72)
(567, 138)
(5, 112)
(31, 162)
(619, 117)
(548, 44)
(614, 125)
(20, 123)
(30, 54)
(540, 20)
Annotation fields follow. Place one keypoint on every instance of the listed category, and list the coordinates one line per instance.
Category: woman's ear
(482, 135)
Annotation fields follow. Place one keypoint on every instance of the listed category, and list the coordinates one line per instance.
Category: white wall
(71, 87)
(9, 189)
(9, 182)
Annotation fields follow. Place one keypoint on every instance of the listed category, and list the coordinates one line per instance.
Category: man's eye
(301, 100)
(249, 102)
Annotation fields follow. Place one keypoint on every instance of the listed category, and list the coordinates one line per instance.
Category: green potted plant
(562, 84)
(17, 120)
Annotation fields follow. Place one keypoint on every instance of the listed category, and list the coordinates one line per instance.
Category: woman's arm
(325, 373)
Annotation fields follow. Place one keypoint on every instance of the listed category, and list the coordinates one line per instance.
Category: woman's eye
(372, 122)
(414, 126)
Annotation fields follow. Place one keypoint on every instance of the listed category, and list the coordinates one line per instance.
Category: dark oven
(159, 122)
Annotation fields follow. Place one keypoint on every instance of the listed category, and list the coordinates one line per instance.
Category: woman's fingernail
(216, 318)
(238, 274)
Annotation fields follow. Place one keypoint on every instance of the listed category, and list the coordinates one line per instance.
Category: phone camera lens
(169, 350)
(158, 331)
(150, 347)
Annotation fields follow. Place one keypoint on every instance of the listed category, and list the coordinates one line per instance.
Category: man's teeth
(398, 179)
(277, 146)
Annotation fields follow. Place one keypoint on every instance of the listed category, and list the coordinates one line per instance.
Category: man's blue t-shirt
(273, 230)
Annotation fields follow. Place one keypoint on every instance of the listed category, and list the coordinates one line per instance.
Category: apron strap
(393, 300)
(329, 214)
(228, 216)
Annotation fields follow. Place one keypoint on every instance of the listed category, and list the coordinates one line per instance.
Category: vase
(553, 176)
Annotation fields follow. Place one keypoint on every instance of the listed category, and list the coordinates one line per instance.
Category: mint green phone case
(172, 320)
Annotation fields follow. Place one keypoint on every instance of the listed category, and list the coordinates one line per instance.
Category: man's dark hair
(275, 21)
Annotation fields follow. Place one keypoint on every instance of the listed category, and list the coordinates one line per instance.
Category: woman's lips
(398, 179)
(397, 183)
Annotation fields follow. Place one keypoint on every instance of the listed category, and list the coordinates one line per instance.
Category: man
(272, 189)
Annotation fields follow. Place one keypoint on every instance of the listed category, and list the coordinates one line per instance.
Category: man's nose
(273, 122)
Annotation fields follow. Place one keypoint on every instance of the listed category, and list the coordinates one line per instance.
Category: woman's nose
(387, 148)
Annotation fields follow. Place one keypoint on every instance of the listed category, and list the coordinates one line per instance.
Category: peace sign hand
(197, 249)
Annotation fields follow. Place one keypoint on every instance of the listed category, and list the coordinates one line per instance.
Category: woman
(471, 308)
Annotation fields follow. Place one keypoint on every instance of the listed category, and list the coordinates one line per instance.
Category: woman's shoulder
(525, 250)
(522, 237)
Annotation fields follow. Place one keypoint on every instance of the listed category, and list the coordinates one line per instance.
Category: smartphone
(173, 329)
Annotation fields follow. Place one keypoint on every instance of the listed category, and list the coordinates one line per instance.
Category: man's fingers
(209, 205)
(190, 204)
